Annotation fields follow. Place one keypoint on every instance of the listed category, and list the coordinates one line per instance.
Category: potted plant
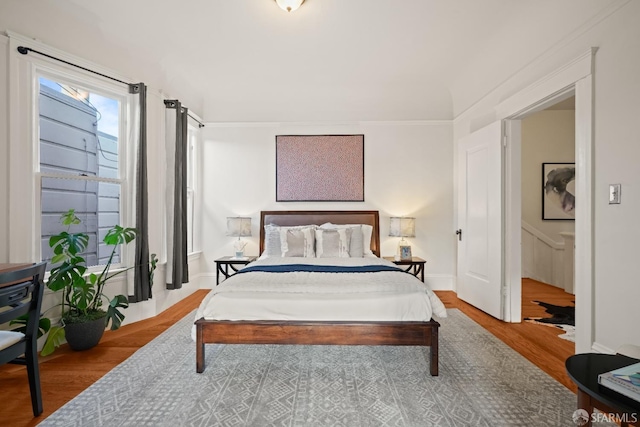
(84, 317)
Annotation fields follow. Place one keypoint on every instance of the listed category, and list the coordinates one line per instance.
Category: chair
(21, 293)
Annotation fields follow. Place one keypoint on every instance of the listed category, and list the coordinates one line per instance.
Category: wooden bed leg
(199, 350)
(434, 351)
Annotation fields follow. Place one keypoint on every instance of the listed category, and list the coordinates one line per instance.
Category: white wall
(542, 258)
(617, 149)
(548, 136)
(407, 172)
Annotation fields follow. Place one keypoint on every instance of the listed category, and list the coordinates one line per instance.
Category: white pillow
(272, 245)
(356, 246)
(333, 243)
(367, 232)
(297, 242)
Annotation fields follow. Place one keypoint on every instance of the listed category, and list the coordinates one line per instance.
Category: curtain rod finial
(23, 50)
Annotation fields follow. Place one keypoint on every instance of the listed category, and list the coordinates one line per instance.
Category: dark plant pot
(86, 335)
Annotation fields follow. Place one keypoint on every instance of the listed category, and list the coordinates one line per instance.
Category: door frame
(576, 77)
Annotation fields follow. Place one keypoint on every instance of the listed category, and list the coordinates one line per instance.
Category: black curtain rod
(173, 103)
(200, 124)
(25, 50)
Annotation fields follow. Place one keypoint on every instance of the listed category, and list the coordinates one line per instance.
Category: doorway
(547, 168)
(575, 78)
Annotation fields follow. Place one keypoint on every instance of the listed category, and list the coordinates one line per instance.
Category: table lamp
(239, 227)
(402, 227)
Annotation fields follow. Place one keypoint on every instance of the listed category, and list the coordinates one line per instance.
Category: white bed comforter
(376, 296)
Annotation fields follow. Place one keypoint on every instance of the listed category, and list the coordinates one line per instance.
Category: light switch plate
(614, 194)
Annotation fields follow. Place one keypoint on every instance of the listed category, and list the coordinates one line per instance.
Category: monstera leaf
(114, 315)
(120, 235)
(44, 324)
(67, 274)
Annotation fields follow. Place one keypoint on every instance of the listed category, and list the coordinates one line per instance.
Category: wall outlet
(614, 194)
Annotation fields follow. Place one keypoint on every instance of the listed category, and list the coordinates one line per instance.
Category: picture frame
(558, 191)
(320, 168)
(405, 253)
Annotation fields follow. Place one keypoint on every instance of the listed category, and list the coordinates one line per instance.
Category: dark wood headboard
(290, 218)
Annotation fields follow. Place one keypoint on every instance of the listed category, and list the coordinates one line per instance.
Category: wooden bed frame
(318, 332)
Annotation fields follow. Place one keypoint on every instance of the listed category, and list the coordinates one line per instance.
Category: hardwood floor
(67, 373)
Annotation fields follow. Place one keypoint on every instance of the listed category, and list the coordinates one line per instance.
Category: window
(80, 161)
(192, 140)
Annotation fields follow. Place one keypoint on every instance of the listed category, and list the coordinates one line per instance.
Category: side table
(228, 262)
(583, 369)
(415, 265)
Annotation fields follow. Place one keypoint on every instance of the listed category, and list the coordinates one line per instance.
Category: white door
(480, 235)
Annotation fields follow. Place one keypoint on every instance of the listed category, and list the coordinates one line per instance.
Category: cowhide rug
(563, 317)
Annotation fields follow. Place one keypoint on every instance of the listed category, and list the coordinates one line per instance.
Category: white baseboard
(599, 348)
(208, 280)
(439, 282)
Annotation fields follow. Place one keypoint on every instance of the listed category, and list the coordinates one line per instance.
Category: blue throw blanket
(289, 268)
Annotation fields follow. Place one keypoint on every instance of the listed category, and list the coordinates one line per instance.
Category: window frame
(97, 86)
(24, 201)
(193, 138)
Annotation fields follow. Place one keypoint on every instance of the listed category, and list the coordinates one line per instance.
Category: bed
(241, 317)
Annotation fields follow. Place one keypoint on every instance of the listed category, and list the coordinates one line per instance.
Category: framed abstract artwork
(558, 190)
(320, 168)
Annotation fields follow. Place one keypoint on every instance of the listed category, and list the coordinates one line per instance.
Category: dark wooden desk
(583, 369)
(10, 266)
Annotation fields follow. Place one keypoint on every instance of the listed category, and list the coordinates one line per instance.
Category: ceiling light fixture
(289, 5)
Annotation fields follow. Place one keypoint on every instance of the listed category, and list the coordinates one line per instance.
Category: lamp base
(403, 251)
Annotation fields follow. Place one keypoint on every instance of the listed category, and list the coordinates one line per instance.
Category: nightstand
(223, 264)
(415, 265)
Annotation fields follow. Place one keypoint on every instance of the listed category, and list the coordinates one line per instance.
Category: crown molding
(330, 123)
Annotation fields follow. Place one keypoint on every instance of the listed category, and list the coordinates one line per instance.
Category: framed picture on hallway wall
(558, 191)
(320, 168)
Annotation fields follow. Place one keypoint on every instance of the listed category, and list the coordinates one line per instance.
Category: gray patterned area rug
(482, 382)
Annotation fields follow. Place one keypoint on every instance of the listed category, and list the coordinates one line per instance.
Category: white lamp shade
(238, 226)
(402, 227)
(289, 5)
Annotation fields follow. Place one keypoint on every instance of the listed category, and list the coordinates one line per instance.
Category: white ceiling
(331, 60)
